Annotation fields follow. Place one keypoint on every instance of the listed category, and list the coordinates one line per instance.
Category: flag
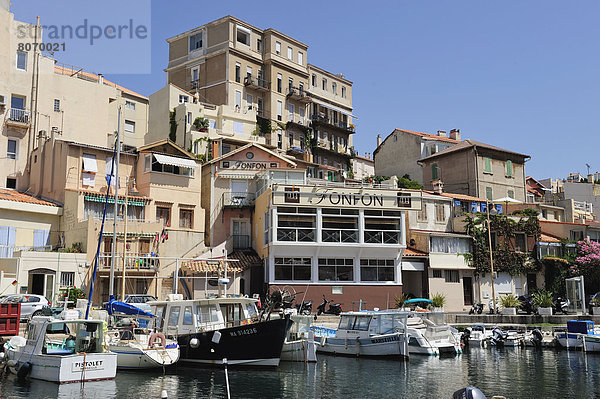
(15, 282)
(164, 235)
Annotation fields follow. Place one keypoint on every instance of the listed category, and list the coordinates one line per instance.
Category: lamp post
(488, 203)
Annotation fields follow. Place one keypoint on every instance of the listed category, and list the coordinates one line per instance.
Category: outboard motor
(498, 336)
(464, 338)
(24, 371)
(468, 393)
(537, 337)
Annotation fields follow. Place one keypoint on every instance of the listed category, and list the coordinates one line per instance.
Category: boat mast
(116, 209)
(125, 238)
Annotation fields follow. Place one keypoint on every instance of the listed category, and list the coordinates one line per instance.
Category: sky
(522, 75)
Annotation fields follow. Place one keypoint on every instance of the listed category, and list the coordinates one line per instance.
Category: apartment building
(39, 98)
(362, 167)
(478, 170)
(299, 108)
(399, 152)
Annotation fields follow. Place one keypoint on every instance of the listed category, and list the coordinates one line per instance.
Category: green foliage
(375, 179)
(400, 300)
(264, 125)
(439, 300)
(509, 301)
(596, 302)
(77, 248)
(542, 298)
(201, 124)
(406, 182)
(173, 125)
(506, 258)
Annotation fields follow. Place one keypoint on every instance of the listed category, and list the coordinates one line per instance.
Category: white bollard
(163, 394)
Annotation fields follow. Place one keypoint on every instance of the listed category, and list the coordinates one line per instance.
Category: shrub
(542, 298)
(439, 300)
(510, 301)
(400, 300)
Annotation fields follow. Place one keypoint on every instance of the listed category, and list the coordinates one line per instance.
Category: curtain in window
(7, 241)
(450, 245)
(41, 238)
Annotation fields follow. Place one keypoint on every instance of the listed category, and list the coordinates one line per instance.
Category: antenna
(588, 169)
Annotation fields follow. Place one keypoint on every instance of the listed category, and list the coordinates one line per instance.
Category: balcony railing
(18, 115)
(382, 237)
(302, 235)
(298, 94)
(340, 235)
(238, 200)
(133, 261)
(335, 123)
(256, 83)
(240, 241)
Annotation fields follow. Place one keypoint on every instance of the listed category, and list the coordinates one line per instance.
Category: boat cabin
(364, 324)
(46, 335)
(190, 316)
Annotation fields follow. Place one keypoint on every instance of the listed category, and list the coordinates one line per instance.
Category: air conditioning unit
(2, 101)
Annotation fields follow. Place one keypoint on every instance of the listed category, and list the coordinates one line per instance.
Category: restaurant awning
(333, 107)
(174, 161)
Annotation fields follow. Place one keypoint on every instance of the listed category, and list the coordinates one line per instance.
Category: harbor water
(510, 372)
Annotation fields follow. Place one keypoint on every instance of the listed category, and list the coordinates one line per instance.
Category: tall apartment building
(40, 98)
(301, 109)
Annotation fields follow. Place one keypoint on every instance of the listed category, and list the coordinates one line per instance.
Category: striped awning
(111, 200)
(130, 234)
(174, 161)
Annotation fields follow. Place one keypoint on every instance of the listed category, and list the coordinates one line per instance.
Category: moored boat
(429, 335)
(576, 334)
(300, 345)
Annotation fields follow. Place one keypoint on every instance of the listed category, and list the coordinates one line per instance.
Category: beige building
(159, 194)
(363, 167)
(477, 169)
(399, 152)
(40, 97)
(299, 108)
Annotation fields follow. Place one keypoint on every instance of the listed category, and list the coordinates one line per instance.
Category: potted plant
(595, 305)
(542, 300)
(509, 303)
(439, 300)
(201, 124)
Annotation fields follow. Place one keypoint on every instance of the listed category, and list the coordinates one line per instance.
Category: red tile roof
(68, 71)
(427, 135)
(414, 252)
(548, 238)
(12, 195)
(244, 260)
(468, 144)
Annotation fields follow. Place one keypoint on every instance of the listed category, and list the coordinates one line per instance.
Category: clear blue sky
(523, 75)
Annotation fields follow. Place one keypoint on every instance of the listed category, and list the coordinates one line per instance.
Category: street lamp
(493, 212)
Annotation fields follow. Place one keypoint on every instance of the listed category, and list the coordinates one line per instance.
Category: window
(340, 225)
(334, 87)
(185, 218)
(314, 80)
(511, 194)
(291, 114)
(67, 279)
(238, 73)
(279, 140)
(576, 235)
(189, 118)
(128, 105)
(291, 138)
(249, 101)
(290, 53)
(89, 163)
(57, 105)
(436, 273)
(195, 72)
(279, 78)
(188, 316)
(422, 214)
(450, 245)
(238, 99)
(301, 112)
(434, 171)
(451, 276)
(174, 316)
(293, 269)
(163, 215)
(343, 92)
(238, 127)
(243, 36)
(183, 99)
(266, 228)
(277, 48)
(296, 224)
(440, 213)
(279, 109)
(488, 193)
(249, 71)
(520, 242)
(22, 60)
(509, 169)
(336, 269)
(377, 270)
(129, 126)
(487, 165)
(258, 45)
(196, 41)
(11, 182)
(300, 58)
(11, 150)
(324, 84)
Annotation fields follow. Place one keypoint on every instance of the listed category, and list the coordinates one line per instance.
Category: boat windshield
(351, 322)
(388, 323)
(68, 338)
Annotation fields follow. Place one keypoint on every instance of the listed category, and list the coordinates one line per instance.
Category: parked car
(31, 304)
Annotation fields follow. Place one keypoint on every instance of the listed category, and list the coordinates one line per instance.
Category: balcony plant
(542, 300)
(510, 303)
(201, 124)
(439, 300)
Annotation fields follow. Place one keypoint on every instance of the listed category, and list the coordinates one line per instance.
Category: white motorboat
(61, 351)
(478, 336)
(300, 345)
(378, 333)
(579, 332)
(429, 337)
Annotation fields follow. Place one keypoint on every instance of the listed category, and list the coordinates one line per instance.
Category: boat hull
(133, 357)
(256, 344)
(390, 345)
(302, 350)
(569, 340)
(592, 343)
(66, 368)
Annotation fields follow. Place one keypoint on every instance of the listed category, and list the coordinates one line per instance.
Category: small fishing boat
(477, 336)
(372, 334)
(138, 348)
(579, 332)
(300, 345)
(61, 351)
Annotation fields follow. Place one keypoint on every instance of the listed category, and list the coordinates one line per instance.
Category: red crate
(10, 310)
(9, 326)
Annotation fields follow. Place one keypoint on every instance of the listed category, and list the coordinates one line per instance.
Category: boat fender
(323, 339)
(24, 371)
(12, 363)
(216, 338)
(2, 357)
(156, 336)
(194, 343)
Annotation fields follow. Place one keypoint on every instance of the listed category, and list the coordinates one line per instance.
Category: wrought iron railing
(339, 235)
(381, 237)
(302, 235)
(18, 115)
(238, 199)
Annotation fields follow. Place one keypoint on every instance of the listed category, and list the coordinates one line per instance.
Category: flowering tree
(587, 262)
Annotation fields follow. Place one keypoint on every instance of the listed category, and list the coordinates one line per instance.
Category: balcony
(143, 262)
(298, 94)
(301, 235)
(240, 241)
(325, 120)
(256, 83)
(343, 236)
(238, 200)
(332, 147)
(382, 237)
(18, 118)
(194, 84)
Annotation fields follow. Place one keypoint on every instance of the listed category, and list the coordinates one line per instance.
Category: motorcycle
(334, 308)
(560, 305)
(526, 304)
(477, 308)
(304, 308)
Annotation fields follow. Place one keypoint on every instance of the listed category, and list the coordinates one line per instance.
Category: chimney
(442, 133)
(455, 134)
(100, 78)
(378, 140)
(590, 178)
(438, 186)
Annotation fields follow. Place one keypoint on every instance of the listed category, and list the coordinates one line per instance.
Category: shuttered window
(434, 171)
(509, 168)
(487, 165)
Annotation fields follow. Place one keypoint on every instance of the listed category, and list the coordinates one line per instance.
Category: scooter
(334, 308)
(526, 304)
(560, 305)
(491, 305)
(304, 308)
(477, 308)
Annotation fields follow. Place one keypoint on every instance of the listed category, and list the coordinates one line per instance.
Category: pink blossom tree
(587, 263)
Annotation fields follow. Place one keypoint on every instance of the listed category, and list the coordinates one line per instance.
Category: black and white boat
(213, 329)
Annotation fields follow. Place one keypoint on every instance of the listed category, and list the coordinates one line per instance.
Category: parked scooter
(304, 308)
(491, 305)
(477, 308)
(526, 304)
(560, 305)
(334, 308)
